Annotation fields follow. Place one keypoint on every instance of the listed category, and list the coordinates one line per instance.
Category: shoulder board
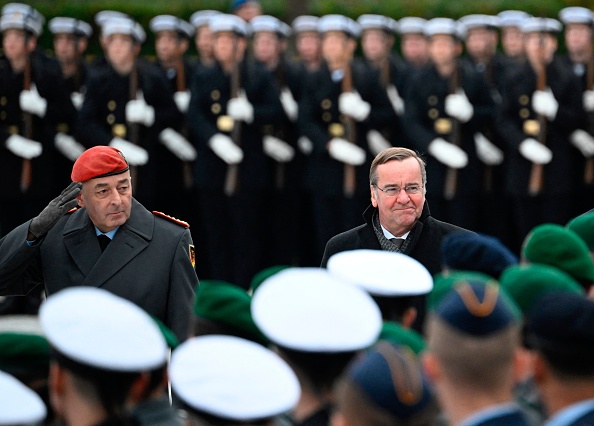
(172, 219)
(72, 210)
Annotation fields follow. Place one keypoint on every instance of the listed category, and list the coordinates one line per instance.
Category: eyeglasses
(393, 191)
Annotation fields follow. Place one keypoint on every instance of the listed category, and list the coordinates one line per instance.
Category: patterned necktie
(397, 242)
(104, 240)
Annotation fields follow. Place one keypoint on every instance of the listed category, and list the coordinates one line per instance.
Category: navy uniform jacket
(319, 114)
(425, 119)
(514, 124)
(148, 263)
(211, 90)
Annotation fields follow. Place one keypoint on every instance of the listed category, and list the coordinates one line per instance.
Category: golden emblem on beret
(475, 306)
(119, 130)
(326, 103)
(532, 127)
(3, 100)
(225, 123)
(215, 95)
(111, 105)
(443, 126)
(336, 130)
(524, 99)
(433, 113)
(432, 100)
(524, 113)
(215, 108)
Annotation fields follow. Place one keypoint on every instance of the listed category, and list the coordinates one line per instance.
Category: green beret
(527, 284)
(398, 335)
(228, 304)
(559, 247)
(583, 225)
(168, 334)
(444, 282)
(23, 348)
(261, 276)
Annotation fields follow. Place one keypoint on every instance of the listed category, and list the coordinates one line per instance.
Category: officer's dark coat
(425, 107)
(147, 263)
(561, 174)
(318, 111)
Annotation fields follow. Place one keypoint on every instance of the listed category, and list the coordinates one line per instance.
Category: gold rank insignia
(524, 99)
(119, 130)
(336, 130)
(215, 95)
(326, 103)
(532, 127)
(443, 126)
(215, 108)
(192, 252)
(111, 105)
(225, 123)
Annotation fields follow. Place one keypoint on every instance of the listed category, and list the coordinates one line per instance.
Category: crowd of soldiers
(267, 157)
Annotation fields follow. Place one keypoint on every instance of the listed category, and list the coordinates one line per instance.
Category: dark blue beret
(478, 309)
(236, 4)
(392, 378)
(476, 252)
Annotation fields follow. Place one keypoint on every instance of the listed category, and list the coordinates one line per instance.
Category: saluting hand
(41, 224)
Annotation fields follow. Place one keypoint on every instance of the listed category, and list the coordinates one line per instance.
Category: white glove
(136, 155)
(224, 147)
(68, 146)
(289, 105)
(534, 151)
(77, 99)
(346, 152)
(178, 145)
(583, 141)
(240, 108)
(182, 100)
(458, 106)
(376, 142)
(395, 99)
(305, 145)
(278, 149)
(544, 103)
(588, 99)
(447, 153)
(23, 147)
(30, 101)
(486, 151)
(351, 104)
(138, 111)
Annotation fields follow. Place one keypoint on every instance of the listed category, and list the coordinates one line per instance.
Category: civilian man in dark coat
(112, 242)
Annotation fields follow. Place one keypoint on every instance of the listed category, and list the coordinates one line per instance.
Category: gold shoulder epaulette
(172, 219)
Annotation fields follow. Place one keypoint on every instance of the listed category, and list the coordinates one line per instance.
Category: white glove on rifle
(395, 99)
(136, 155)
(289, 105)
(376, 142)
(458, 106)
(351, 104)
(240, 108)
(178, 145)
(77, 99)
(346, 152)
(544, 103)
(224, 147)
(182, 100)
(486, 151)
(68, 146)
(588, 99)
(305, 145)
(447, 153)
(278, 149)
(30, 101)
(138, 111)
(535, 152)
(583, 141)
(23, 147)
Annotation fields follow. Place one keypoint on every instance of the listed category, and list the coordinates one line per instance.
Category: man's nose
(402, 196)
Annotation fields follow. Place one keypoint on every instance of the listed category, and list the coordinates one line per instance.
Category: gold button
(3, 115)
(443, 126)
(336, 130)
(326, 117)
(111, 105)
(532, 127)
(13, 130)
(3, 100)
(524, 113)
(326, 103)
(110, 119)
(62, 127)
(225, 123)
(433, 113)
(215, 108)
(432, 100)
(215, 95)
(119, 130)
(524, 99)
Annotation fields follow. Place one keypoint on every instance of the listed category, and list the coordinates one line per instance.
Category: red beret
(99, 161)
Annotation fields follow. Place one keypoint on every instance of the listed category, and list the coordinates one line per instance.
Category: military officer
(203, 35)
(447, 103)
(512, 41)
(413, 43)
(542, 106)
(578, 41)
(129, 106)
(343, 102)
(231, 101)
(307, 41)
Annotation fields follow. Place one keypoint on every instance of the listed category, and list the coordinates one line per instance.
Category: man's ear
(81, 202)
(540, 370)
(373, 196)
(31, 44)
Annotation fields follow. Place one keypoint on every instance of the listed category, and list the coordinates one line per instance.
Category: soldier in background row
(203, 36)
(413, 43)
